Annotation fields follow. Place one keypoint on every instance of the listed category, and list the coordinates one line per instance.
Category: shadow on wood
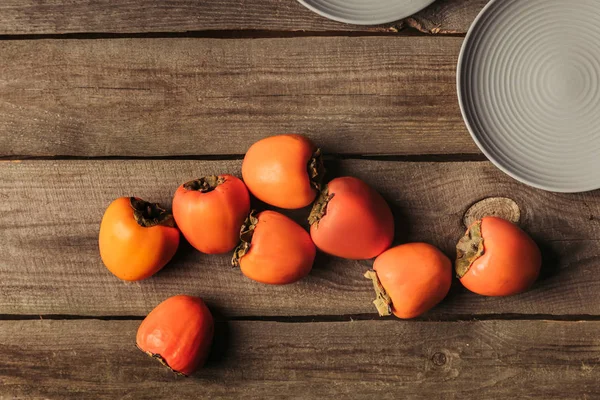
(401, 222)
(550, 260)
(185, 253)
(222, 339)
(455, 296)
(323, 260)
(299, 215)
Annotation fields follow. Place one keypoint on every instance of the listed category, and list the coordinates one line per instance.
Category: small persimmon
(178, 333)
(410, 279)
(351, 220)
(274, 249)
(210, 211)
(497, 258)
(284, 171)
(137, 239)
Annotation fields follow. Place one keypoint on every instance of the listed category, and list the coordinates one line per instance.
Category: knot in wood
(439, 359)
(502, 207)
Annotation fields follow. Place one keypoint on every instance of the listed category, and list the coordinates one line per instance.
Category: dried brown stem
(383, 301)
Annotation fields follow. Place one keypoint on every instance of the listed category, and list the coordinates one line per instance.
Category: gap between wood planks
(226, 34)
(222, 157)
(325, 318)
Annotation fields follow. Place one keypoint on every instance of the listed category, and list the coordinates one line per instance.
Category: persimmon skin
(210, 221)
(275, 169)
(416, 276)
(281, 251)
(180, 330)
(358, 223)
(130, 251)
(510, 264)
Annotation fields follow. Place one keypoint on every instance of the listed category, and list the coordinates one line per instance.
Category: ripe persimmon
(137, 239)
(284, 171)
(178, 333)
(497, 258)
(274, 249)
(210, 212)
(351, 220)
(410, 279)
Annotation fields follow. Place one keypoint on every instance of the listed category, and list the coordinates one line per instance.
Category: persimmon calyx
(383, 302)
(316, 170)
(469, 248)
(148, 214)
(320, 207)
(246, 233)
(162, 361)
(205, 184)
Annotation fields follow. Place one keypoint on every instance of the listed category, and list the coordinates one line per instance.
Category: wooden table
(101, 99)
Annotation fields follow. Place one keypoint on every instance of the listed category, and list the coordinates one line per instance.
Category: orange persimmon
(274, 249)
(497, 258)
(210, 211)
(410, 279)
(137, 239)
(178, 333)
(351, 220)
(284, 171)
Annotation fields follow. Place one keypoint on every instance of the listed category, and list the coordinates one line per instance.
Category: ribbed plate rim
(352, 21)
(472, 131)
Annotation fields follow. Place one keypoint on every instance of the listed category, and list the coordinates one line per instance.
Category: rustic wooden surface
(101, 99)
(190, 96)
(447, 360)
(53, 210)
(133, 16)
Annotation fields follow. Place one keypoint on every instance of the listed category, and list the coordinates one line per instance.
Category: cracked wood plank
(19, 17)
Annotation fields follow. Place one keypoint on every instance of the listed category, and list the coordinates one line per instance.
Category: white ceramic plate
(366, 12)
(529, 89)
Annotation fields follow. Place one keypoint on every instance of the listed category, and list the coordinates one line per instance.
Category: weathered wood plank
(360, 359)
(132, 16)
(50, 213)
(164, 97)
(446, 16)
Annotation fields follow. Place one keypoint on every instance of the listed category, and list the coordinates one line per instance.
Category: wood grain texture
(446, 16)
(355, 360)
(165, 97)
(502, 207)
(50, 214)
(133, 16)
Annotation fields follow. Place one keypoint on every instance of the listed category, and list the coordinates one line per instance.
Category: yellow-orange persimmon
(410, 279)
(274, 249)
(497, 258)
(178, 333)
(210, 212)
(351, 220)
(284, 171)
(137, 238)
